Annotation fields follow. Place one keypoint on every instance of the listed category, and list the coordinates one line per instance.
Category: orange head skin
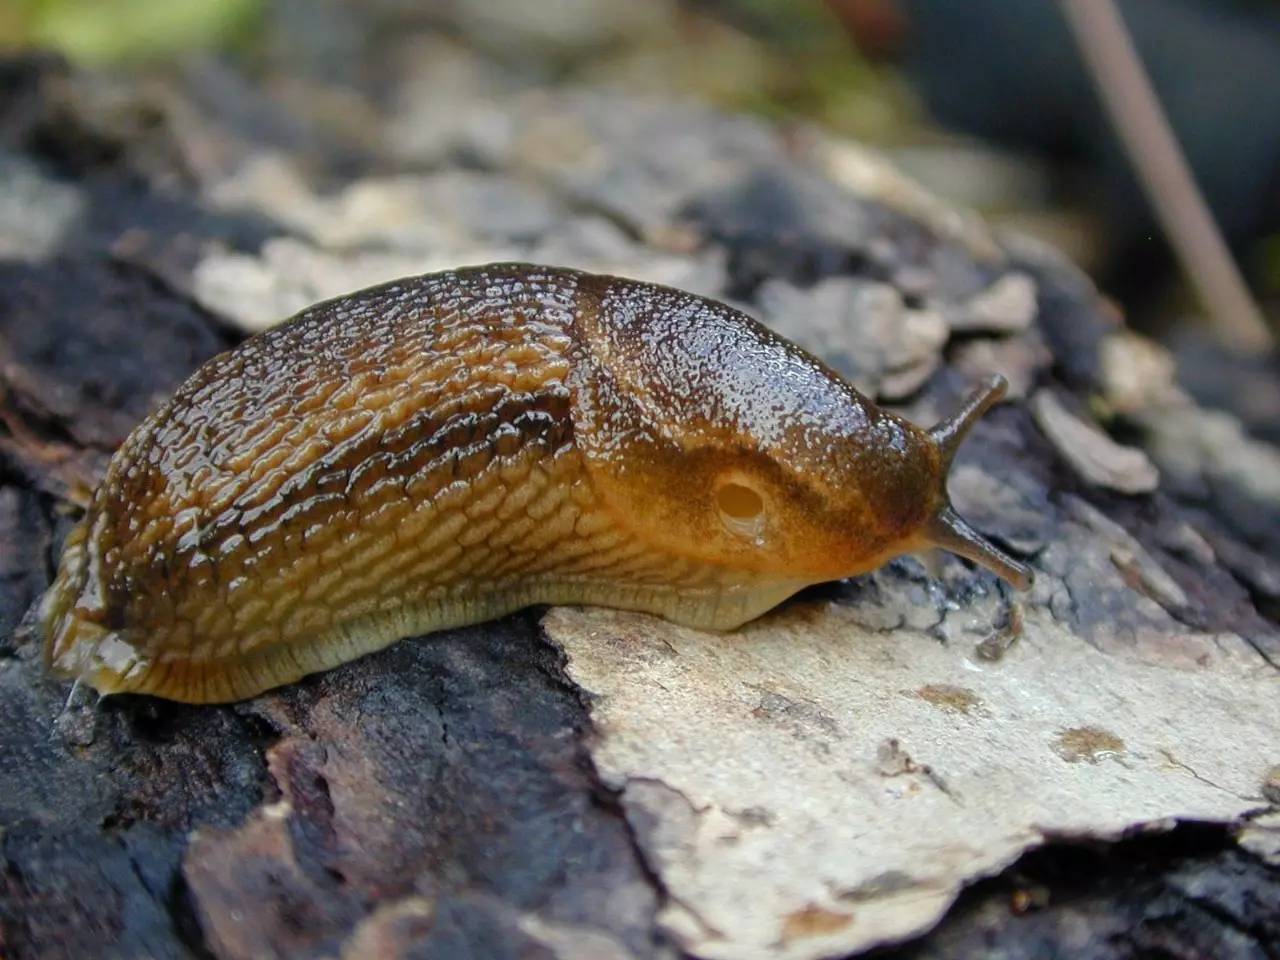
(715, 437)
(448, 448)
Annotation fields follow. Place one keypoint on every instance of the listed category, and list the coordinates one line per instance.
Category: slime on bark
(448, 448)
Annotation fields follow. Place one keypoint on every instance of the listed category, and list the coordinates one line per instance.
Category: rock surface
(580, 783)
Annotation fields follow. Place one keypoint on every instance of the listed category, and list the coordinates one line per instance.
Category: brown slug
(446, 449)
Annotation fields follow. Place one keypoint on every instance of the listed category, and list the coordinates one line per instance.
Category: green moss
(812, 69)
(113, 31)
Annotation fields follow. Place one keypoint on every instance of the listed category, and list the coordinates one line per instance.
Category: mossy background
(776, 57)
(124, 31)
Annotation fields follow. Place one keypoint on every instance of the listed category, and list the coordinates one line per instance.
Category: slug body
(449, 448)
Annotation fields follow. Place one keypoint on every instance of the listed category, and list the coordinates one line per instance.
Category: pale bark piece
(256, 292)
(1007, 306)
(808, 787)
(1092, 454)
(36, 211)
(1262, 838)
(1138, 374)
(1019, 359)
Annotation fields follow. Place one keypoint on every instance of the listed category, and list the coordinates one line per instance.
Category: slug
(449, 448)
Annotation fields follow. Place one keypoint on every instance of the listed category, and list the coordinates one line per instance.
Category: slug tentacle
(946, 529)
(948, 434)
(445, 449)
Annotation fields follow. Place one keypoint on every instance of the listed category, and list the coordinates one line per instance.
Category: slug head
(714, 440)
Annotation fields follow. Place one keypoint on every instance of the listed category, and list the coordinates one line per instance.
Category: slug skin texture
(445, 449)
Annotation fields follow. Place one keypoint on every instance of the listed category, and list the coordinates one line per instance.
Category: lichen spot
(814, 921)
(1271, 784)
(1088, 744)
(950, 698)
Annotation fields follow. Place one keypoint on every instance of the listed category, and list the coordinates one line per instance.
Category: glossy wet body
(448, 448)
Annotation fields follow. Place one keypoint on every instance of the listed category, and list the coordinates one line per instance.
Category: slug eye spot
(741, 509)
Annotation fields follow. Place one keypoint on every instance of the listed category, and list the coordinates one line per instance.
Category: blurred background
(986, 102)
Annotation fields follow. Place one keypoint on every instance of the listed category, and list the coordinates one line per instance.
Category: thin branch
(1140, 122)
